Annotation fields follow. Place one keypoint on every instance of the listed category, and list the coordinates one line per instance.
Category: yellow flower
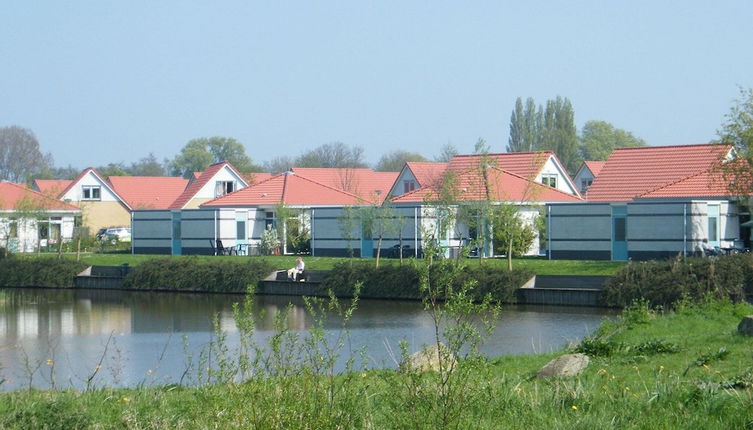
(49, 362)
(573, 407)
(627, 388)
(126, 399)
(706, 367)
(602, 371)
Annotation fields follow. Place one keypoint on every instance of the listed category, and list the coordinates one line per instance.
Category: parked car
(114, 234)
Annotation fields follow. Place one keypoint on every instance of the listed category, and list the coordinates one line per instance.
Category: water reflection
(144, 337)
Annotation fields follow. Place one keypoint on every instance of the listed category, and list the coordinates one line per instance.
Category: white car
(120, 234)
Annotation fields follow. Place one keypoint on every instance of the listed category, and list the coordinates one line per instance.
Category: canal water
(63, 338)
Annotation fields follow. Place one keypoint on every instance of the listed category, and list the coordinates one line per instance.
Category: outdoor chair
(221, 250)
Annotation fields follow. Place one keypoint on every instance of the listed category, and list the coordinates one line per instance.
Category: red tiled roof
(255, 178)
(148, 192)
(12, 194)
(196, 185)
(365, 183)
(710, 183)
(503, 187)
(426, 172)
(52, 187)
(288, 189)
(595, 166)
(631, 172)
(525, 164)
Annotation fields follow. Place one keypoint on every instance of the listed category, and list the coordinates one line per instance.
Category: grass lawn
(540, 266)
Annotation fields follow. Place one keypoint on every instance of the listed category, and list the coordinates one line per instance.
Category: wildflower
(49, 362)
(661, 369)
(602, 371)
(706, 367)
(363, 375)
(573, 407)
(635, 368)
(627, 388)
(518, 390)
(126, 399)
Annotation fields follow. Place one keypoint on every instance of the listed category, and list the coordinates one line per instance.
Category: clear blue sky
(101, 81)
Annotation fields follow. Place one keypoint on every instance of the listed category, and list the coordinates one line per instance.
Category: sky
(103, 82)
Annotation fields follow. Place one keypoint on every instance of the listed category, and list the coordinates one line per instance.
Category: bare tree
(20, 157)
(394, 161)
(336, 154)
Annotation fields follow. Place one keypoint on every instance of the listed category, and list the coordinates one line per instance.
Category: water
(60, 337)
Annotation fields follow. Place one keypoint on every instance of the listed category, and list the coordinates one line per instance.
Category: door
(619, 233)
(367, 243)
(241, 232)
(176, 238)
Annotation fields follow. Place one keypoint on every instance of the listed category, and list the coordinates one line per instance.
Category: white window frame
(549, 179)
(90, 190)
(224, 187)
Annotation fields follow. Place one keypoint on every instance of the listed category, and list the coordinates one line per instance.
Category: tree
(200, 153)
(20, 156)
(599, 138)
(279, 164)
(737, 130)
(112, 169)
(394, 161)
(523, 127)
(335, 154)
(446, 153)
(147, 166)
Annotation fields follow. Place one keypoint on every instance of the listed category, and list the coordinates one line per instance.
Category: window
(584, 184)
(269, 220)
(224, 187)
(13, 229)
(240, 230)
(549, 179)
(408, 186)
(713, 224)
(91, 192)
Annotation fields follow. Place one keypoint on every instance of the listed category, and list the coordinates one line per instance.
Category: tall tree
(335, 154)
(599, 138)
(199, 153)
(737, 130)
(147, 166)
(523, 136)
(20, 156)
(394, 161)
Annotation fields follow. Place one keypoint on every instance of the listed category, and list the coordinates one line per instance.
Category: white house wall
(75, 194)
(224, 174)
(563, 182)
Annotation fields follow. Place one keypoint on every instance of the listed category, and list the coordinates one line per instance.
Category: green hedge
(194, 274)
(402, 282)
(38, 272)
(663, 283)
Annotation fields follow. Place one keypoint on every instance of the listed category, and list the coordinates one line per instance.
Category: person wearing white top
(300, 266)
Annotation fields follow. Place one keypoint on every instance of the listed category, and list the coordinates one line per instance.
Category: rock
(427, 360)
(564, 366)
(746, 326)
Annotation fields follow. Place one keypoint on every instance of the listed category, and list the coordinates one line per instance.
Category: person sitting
(708, 250)
(293, 273)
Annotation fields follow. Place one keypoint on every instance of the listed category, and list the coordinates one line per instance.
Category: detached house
(648, 203)
(30, 219)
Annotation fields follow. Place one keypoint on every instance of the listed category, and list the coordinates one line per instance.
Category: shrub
(194, 274)
(38, 272)
(662, 283)
(402, 282)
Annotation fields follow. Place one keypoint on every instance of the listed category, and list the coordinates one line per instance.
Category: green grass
(539, 266)
(627, 389)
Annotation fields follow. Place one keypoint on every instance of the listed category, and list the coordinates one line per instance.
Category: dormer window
(224, 187)
(585, 184)
(549, 179)
(408, 186)
(91, 192)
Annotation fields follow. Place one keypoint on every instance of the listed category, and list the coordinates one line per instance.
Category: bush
(663, 283)
(401, 282)
(194, 274)
(38, 272)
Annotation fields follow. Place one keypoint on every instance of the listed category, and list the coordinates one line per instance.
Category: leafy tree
(20, 156)
(112, 169)
(599, 138)
(335, 154)
(737, 130)
(523, 135)
(394, 161)
(446, 153)
(147, 166)
(279, 164)
(200, 153)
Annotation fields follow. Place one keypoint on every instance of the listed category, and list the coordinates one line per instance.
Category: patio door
(713, 227)
(619, 233)
(176, 233)
(367, 243)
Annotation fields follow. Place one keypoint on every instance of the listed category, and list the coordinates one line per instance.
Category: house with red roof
(215, 181)
(30, 219)
(587, 172)
(649, 203)
(368, 185)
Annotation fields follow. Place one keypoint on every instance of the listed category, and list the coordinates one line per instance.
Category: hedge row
(663, 283)
(402, 282)
(194, 274)
(38, 272)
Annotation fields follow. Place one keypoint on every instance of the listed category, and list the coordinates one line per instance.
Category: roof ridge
(326, 186)
(680, 145)
(536, 183)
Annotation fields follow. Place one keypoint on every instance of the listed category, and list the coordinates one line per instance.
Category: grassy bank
(687, 369)
(537, 265)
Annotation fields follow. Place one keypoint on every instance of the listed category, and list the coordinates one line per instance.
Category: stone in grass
(746, 326)
(427, 360)
(564, 366)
